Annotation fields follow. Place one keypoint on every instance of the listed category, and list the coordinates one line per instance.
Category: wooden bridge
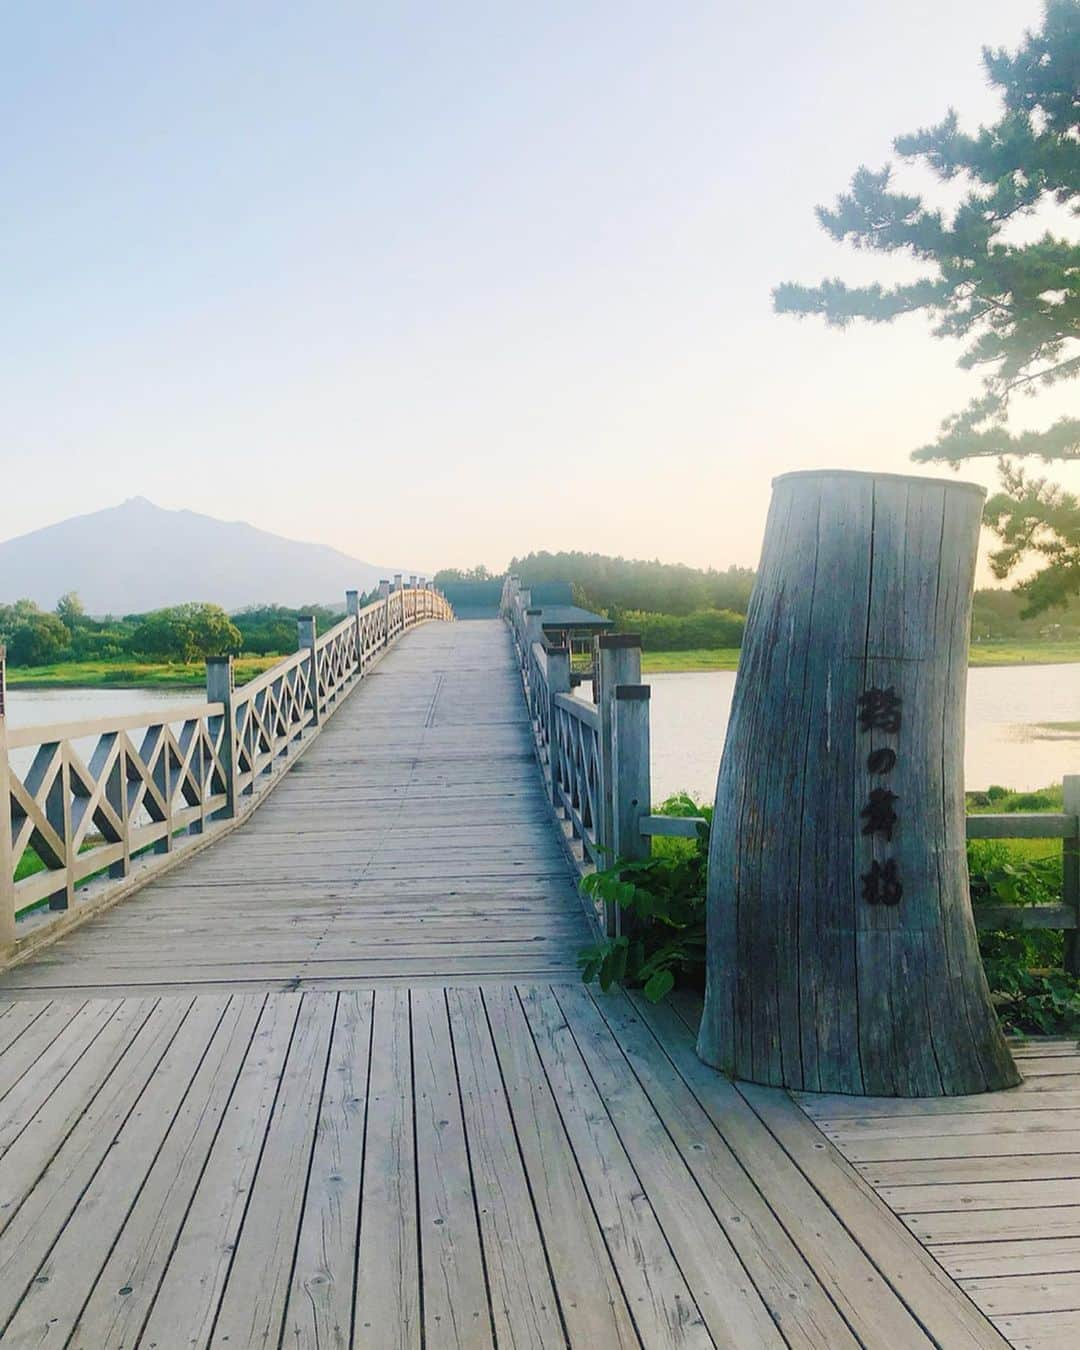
(293, 1050)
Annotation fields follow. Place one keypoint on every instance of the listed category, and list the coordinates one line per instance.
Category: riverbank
(981, 654)
(146, 675)
(129, 674)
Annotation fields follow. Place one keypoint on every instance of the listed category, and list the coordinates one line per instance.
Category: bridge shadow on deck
(412, 841)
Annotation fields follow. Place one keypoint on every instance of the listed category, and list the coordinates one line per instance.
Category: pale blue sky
(450, 282)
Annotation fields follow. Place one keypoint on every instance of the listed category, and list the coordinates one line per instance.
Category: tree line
(680, 608)
(176, 634)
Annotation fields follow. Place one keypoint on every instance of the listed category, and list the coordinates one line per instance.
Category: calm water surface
(1009, 709)
(1008, 739)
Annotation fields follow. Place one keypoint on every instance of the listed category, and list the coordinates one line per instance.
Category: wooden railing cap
(633, 691)
(610, 641)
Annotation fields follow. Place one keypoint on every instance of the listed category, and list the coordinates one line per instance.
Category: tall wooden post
(558, 659)
(7, 857)
(533, 633)
(384, 595)
(219, 689)
(305, 641)
(616, 660)
(631, 769)
(842, 954)
(352, 606)
(1070, 874)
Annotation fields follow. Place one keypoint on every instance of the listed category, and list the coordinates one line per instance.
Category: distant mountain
(138, 556)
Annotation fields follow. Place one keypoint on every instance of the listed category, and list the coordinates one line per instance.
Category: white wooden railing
(594, 754)
(107, 803)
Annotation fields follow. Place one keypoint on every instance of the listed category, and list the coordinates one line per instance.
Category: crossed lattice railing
(92, 806)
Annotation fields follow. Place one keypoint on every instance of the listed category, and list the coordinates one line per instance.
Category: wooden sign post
(842, 954)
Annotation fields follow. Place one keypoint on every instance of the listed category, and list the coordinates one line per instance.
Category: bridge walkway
(412, 840)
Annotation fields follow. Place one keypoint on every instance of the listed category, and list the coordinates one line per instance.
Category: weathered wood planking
(413, 840)
(990, 1184)
(515, 1165)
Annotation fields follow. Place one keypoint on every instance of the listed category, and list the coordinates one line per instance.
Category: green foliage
(705, 628)
(270, 630)
(32, 638)
(1000, 615)
(186, 633)
(663, 904)
(1012, 298)
(448, 575)
(69, 610)
(1031, 992)
(616, 585)
(1002, 800)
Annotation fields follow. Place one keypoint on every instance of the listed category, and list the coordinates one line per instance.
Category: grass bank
(129, 674)
(982, 654)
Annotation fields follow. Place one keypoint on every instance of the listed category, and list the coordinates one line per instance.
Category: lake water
(1007, 741)
(1008, 709)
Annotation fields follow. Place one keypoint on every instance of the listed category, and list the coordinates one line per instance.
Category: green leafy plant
(662, 900)
(1032, 994)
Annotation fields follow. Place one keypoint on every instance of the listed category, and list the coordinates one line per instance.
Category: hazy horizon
(511, 268)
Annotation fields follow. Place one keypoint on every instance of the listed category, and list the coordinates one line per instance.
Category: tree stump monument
(842, 953)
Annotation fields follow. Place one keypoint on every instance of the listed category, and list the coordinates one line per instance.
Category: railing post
(7, 853)
(631, 788)
(631, 781)
(305, 641)
(616, 660)
(533, 632)
(558, 659)
(352, 606)
(1070, 873)
(384, 596)
(219, 689)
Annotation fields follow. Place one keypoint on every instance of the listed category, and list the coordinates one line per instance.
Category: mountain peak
(140, 556)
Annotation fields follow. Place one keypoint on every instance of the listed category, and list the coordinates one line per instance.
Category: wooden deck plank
(190, 1292)
(1039, 1256)
(320, 1305)
(455, 1297)
(38, 1222)
(1008, 1294)
(128, 1282)
(913, 1172)
(29, 1089)
(524, 1309)
(387, 1300)
(591, 1298)
(664, 1309)
(64, 1279)
(252, 1308)
(733, 1253)
(59, 1110)
(989, 1184)
(16, 1020)
(1042, 1331)
(971, 1196)
(862, 1294)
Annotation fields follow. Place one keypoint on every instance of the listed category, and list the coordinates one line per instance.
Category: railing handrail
(50, 733)
(331, 633)
(266, 677)
(580, 708)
